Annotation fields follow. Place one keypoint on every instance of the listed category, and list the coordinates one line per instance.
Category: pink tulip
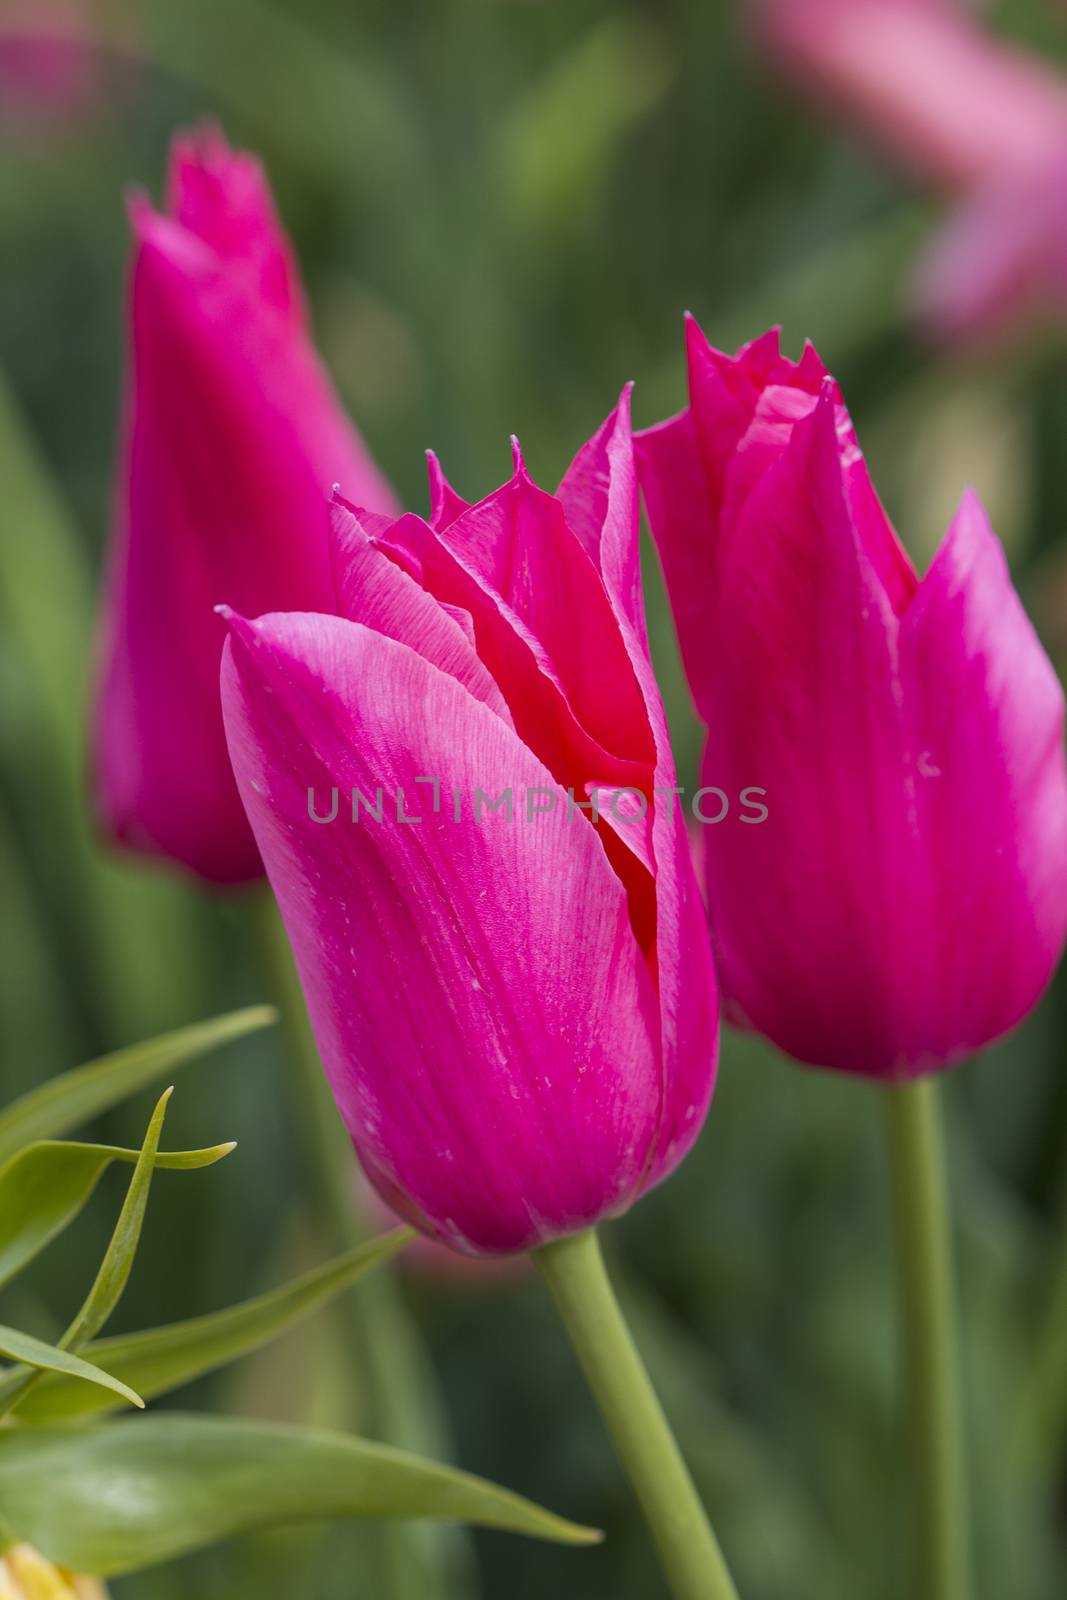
(232, 436)
(516, 1009)
(966, 111)
(905, 900)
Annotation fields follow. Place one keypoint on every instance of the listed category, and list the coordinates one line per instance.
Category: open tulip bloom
(906, 899)
(453, 786)
(515, 1009)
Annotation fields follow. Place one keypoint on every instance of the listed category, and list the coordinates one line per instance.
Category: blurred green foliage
(502, 208)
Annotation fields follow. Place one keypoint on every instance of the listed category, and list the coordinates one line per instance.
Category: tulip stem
(690, 1556)
(926, 1308)
(1037, 1438)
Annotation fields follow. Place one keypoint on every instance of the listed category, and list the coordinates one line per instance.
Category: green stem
(926, 1301)
(1037, 1436)
(574, 1270)
(399, 1390)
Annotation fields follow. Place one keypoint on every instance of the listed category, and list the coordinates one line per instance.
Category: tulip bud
(510, 986)
(232, 436)
(25, 1575)
(905, 900)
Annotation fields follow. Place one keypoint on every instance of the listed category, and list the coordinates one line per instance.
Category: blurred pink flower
(965, 110)
(905, 900)
(49, 62)
(233, 435)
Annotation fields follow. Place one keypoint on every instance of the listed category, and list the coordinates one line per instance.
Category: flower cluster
(520, 1024)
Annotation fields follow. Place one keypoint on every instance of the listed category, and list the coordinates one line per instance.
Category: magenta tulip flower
(494, 915)
(964, 110)
(232, 435)
(904, 901)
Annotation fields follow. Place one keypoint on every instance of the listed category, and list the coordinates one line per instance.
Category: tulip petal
(538, 698)
(806, 707)
(725, 392)
(518, 545)
(685, 976)
(598, 494)
(445, 504)
(984, 711)
(483, 1012)
(374, 590)
(681, 512)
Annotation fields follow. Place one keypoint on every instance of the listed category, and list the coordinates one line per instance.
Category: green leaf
(42, 1357)
(45, 1186)
(162, 1358)
(113, 1498)
(74, 1097)
(114, 1270)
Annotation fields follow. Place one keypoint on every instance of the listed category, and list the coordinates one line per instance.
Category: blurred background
(502, 208)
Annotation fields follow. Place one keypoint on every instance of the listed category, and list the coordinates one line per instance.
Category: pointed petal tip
(518, 463)
(337, 502)
(435, 474)
(822, 423)
(621, 419)
(140, 212)
(446, 504)
(696, 340)
(243, 629)
(972, 522)
(202, 144)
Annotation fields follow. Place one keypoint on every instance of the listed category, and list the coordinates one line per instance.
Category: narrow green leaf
(114, 1270)
(117, 1497)
(163, 1358)
(45, 1186)
(74, 1097)
(43, 1357)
